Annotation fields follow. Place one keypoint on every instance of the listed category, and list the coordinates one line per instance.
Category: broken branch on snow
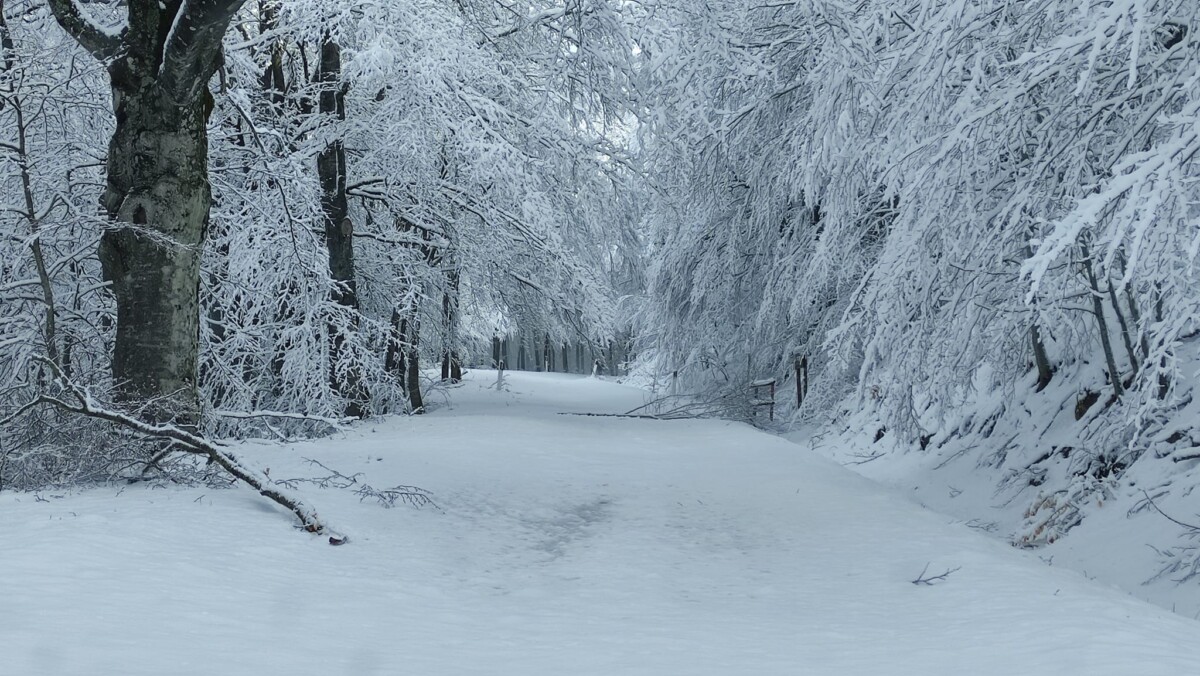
(932, 579)
(83, 404)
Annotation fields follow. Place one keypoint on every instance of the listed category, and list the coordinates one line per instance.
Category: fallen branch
(334, 423)
(933, 579)
(388, 497)
(1183, 559)
(617, 415)
(190, 442)
(1190, 527)
(731, 405)
(864, 458)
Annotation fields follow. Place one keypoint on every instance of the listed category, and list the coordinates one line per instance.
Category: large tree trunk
(158, 194)
(339, 231)
(331, 169)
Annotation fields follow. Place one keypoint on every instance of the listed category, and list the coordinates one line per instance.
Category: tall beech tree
(339, 229)
(157, 194)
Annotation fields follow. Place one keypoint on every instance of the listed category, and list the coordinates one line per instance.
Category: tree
(339, 228)
(53, 304)
(157, 194)
(962, 211)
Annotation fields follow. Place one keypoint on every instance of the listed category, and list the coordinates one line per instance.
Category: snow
(564, 544)
(183, 11)
(995, 481)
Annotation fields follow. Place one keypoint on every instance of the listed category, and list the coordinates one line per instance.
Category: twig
(388, 497)
(1167, 516)
(864, 458)
(933, 579)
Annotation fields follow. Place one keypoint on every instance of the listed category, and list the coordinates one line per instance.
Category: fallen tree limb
(615, 415)
(933, 579)
(1190, 527)
(80, 402)
(334, 423)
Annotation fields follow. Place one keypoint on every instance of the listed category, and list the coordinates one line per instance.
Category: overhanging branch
(100, 44)
(192, 52)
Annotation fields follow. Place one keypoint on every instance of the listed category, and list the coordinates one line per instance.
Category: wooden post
(756, 402)
(799, 385)
(500, 374)
(801, 380)
(804, 370)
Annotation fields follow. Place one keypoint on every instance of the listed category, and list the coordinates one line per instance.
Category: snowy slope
(564, 544)
(1029, 478)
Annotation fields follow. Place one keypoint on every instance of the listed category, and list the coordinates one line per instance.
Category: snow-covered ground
(1015, 480)
(563, 544)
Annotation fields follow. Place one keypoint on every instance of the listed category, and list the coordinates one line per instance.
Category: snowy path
(565, 545)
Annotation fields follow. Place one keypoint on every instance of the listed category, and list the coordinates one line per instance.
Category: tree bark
(273, 80)
(393, 361)
(1040, 359)
(331, 169)
(1102, 324)
(157, 192)
(451, 360)
(1126, 338)
(339, 230)
(410, 328)
(154, 266)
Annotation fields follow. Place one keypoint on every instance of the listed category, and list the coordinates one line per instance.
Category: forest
(959, 238)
